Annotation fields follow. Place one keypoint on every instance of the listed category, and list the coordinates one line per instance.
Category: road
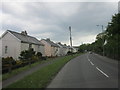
(87, 71)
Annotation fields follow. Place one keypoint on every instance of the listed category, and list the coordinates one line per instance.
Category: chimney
(65, 45)
(48, 39)
(24, 33)
(59, 42)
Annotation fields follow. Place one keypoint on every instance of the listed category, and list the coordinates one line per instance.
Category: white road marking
(89, 60)
(102, 72)
(91, 63)
(97, 67)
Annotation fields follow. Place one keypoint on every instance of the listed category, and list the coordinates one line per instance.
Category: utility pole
(70, 37)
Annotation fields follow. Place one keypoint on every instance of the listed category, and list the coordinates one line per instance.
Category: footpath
(25, 73)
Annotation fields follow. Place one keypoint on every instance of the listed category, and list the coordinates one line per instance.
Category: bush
(35, 58)
(69, 53)
(44, 58)
(39, 54)
(8, 60)
(19, 62)
(27, 54)
(7, 64)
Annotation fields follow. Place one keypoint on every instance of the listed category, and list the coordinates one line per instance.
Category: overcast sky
(52, 19)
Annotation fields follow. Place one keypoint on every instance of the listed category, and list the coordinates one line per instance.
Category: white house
(63, 49)
(75, 49)
(51, 49)
(13, 43)
(69, 48)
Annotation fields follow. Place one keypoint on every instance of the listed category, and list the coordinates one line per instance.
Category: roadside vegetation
(42, 77)
(27, 67)
(109, 40)
(28, 59)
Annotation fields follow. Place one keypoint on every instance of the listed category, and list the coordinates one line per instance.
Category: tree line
(107, 43)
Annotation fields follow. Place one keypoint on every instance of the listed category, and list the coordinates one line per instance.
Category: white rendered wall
(13, 45)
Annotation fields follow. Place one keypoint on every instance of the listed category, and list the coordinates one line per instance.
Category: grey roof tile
(62, 45)
(51, 43)
(26, 38)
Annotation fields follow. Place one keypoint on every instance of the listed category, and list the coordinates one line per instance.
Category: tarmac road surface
(87, 71)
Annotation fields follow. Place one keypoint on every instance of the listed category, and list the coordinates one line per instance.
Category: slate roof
(62, 45)
(69, 47)
(26, 38)
(76, 46)
(51, 43)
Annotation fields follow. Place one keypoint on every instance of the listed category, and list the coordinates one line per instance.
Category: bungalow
(69, 48)
(51, 49)
(63, 49)
(75, 49)
(13, 43)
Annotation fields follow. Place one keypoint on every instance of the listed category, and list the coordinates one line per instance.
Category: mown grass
(43, 76)
(19, 70)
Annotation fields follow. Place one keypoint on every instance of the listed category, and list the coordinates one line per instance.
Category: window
(6, 49)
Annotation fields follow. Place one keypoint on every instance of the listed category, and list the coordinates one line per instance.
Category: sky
(52, 19)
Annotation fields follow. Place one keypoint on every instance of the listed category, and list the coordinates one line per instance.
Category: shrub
(7, 64)
(69, 53)
(44, 58)
(39, 54)
(27, 54)
(35, 58)
(8, 60)
(18, 62)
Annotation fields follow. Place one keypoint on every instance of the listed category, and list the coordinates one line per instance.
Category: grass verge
(43, 76)
(19, 70)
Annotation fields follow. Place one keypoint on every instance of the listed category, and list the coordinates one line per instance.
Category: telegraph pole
(70, 37)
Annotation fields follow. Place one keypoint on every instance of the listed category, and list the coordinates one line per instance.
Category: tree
(112, 38)
(27, 54)
(84, 47)
(39, 54)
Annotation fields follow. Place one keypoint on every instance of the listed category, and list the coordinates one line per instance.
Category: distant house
(69, 48)
(63, 49)
(13, 43)
(75, 49)
(51, 48)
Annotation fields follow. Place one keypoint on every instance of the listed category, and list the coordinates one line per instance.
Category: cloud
(88, 38)
(61, 1)
(51, 20)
